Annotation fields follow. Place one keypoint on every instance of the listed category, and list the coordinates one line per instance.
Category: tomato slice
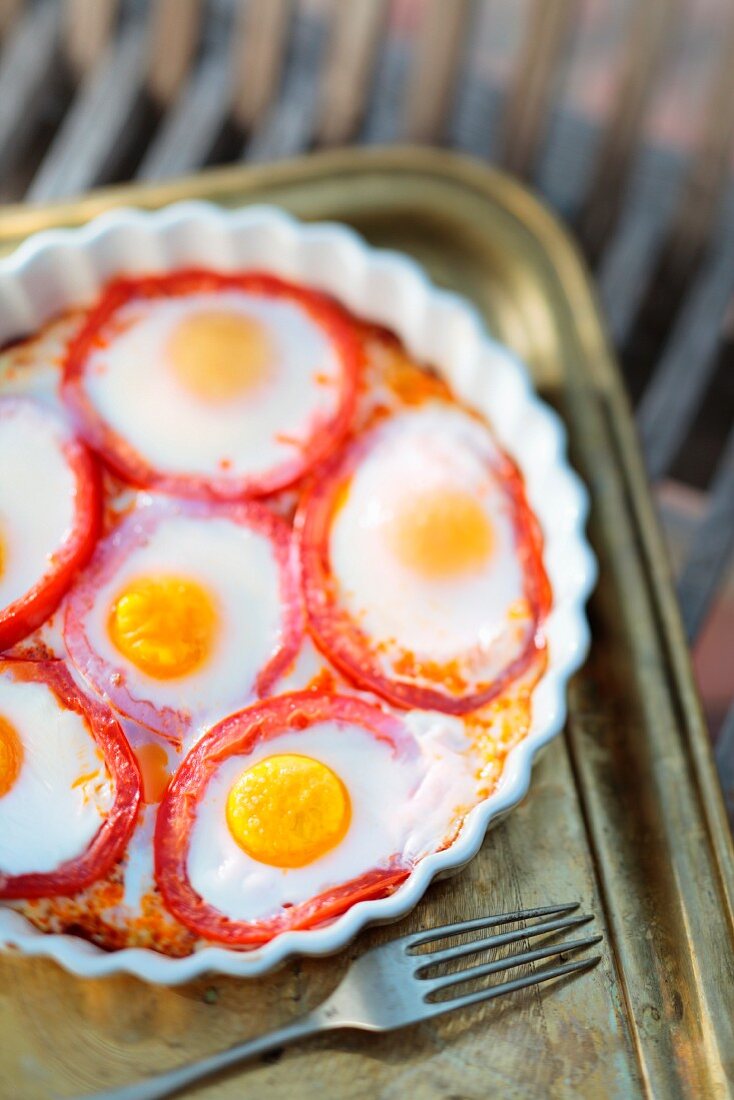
(324, 432)
(29, 610)
(236, 735)
(340, 637)
(113, 835)
(166, 708)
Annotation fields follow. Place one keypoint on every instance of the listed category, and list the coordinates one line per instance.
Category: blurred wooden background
(620, 112)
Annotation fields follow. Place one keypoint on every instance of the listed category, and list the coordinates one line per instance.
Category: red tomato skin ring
(112, 838)
(30, 610)
(239, 734)
(125, 461)
(171, 723)
(345, 645)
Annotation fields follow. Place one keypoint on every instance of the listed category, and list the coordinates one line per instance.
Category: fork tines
(548, 921)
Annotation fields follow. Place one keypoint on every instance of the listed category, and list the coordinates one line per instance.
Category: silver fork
(388, 988)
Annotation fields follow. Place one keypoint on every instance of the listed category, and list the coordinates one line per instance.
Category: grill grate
(94, 91)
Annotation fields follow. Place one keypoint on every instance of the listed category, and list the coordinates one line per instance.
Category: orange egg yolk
(442, 534)
(165, 626)
(11, 756)
(218, 355)
(288, 810)
(153, 763)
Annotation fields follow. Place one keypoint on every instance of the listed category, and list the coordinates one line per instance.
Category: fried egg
(227, 389)
(431, 559)
(55, 789)
(307, 812)
(49, 513)
(187, 612)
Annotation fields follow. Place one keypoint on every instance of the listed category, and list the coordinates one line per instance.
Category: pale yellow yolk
(11, 756)
(219, 355)
(288, 810)
(442, 534)
(165, 626)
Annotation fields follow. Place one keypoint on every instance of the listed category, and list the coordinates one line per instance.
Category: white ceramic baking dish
(56, 270)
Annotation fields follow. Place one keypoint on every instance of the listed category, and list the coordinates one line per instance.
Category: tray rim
(456, 176)
(19, 220)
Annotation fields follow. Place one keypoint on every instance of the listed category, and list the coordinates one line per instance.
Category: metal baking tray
(624, 813)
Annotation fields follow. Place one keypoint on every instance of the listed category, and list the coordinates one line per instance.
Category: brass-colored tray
(624, 813)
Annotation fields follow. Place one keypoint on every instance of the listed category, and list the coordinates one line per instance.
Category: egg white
(438, 448)
(37, 496)
(44, 818)
(402, 806)
(132, 387)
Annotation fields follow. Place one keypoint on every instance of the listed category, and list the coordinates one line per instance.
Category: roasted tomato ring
(340, 638)
(131, 533)
(111, 840)
(125, 461)
(26, 613)
(239, 734)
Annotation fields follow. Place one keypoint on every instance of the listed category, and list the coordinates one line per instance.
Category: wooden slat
(712, 547)
(582, 106)
(186, 136)
(680, 509)
(25, 64)
(651, 35)
(537, 71)
(9, 10)
(95, 123)
(476, 120)
(628, 262)
(686, 244)
(174, 34)
(681, 378)
(349, 68)
(287, 128)
(434, 69)
(88, 25)
(567, 161)
(262, 40)
(711, 163)
(724, 755)
(383, 120)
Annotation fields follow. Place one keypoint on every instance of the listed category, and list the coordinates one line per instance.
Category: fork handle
(174, 1080)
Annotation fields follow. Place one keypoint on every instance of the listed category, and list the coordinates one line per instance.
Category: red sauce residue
(496, 728)
(448, 675)
(411, 384)
(153, 763)
(98, 914)
(325, 680)
(288, 440)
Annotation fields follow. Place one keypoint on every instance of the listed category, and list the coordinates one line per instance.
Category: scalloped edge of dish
(58, 269)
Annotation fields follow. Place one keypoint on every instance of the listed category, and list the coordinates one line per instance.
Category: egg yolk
(442, 534)
(288, 810)
(219, 355)
(11, 756)
(165, 626)
(153, 763)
